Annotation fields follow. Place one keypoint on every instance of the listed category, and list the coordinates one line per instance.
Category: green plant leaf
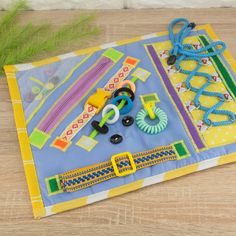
(19, 43)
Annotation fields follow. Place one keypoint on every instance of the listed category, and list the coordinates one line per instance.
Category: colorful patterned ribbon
(64, 140)
(120, 165)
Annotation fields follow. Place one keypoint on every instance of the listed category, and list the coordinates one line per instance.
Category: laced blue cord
(186, 52)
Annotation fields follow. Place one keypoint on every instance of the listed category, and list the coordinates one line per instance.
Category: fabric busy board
(99, 122)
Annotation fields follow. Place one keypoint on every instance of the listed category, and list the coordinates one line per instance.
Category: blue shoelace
(185, 52)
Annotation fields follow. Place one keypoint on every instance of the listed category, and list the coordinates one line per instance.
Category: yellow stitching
(31, 176)
(37, 81)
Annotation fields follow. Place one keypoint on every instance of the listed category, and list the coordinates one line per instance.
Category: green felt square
(113, 54)
(150, 98)
(181, 149)
(53, 185)
(38, 138)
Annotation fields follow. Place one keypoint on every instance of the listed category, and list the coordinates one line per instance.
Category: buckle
(99, 99)
(115, 167)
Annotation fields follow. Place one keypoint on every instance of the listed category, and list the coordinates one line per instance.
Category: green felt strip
(113, 54)
(226, 76)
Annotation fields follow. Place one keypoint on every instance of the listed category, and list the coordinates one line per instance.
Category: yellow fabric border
(39, 210)
(27, 156)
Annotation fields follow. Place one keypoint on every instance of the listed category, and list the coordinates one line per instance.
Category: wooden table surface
(198, 204)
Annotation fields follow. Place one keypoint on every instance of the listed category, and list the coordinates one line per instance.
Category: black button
(116, 139)
(171, 60)
(127, 120)
(192, 25)
(103, 130)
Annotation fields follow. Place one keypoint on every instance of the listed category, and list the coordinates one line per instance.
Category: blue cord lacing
(181, 52)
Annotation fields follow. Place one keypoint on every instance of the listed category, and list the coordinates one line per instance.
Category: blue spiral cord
(181, 52)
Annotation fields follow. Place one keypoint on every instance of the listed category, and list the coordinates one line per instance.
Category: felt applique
(117, 157)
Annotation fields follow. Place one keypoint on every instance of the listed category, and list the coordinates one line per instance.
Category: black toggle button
(192, 25)
(171, 60)
(103, 130)
(127, 120)
(116, 139)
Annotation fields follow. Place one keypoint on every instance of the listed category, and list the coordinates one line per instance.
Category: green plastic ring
(152, 129)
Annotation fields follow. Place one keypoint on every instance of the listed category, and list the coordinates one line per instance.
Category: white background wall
(119, 4)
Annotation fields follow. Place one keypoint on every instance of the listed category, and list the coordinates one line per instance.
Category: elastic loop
(129, 83)
(128, 105)
(116, 116)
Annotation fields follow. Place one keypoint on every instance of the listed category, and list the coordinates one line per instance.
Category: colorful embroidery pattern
(73, 96)
(64, 141)
(88, 176)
